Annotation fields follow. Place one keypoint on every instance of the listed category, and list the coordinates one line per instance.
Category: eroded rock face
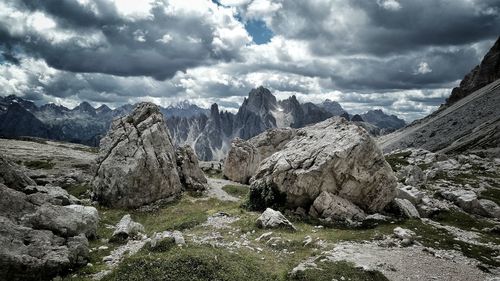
(244, 157)
(136, 163)
(190, 173)
(11, 175)
(333, 156)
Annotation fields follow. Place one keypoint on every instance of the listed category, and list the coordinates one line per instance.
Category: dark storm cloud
(111, 44)
(360, 26)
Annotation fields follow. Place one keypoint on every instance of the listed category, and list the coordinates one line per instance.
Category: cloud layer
(399, 55)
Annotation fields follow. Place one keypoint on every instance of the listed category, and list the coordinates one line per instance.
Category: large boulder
(190, 173)
(334, 156)
(244, 157)
(12, 175)
(136, 163)
(242, 161)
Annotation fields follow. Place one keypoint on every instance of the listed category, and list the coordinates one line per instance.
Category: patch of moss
(193, 263)
(492, 194)
(461, 220)
(396, 160)
(433, 237)
(77, 190)
(236, 190)
(342, 270)
(39, 164)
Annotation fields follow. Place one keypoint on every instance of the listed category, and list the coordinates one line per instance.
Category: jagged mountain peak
(260, 99)
(333, 107)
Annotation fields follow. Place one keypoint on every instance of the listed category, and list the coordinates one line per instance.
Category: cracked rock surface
(333, 156)
(136, 163)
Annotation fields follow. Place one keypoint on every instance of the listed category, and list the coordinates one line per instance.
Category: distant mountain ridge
(208, 131)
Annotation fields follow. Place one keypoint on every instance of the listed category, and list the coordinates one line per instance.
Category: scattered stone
(405, 208)
(264, 236)
(163, 239)
(190, 173)
(273, 219)
(405, 235)
(410, 193)
(126, 228)
(136, 163)
(414, 175)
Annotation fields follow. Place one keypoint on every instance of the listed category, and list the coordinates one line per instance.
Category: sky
(402, 56)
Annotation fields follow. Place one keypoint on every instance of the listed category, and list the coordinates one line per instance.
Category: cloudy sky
(403, 56)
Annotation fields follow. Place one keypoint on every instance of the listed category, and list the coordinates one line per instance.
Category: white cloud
(423, 68)
(392, 5)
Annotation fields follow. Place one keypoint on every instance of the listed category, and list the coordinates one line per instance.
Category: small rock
(403, 233)
(273, 219)
(126, 228)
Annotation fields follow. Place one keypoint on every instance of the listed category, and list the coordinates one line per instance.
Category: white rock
(406, 208)
(127, 228)
(410, 193)
(273, 219)
(334, 156)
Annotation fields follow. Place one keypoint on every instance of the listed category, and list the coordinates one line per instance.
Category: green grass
(236, 190)
(342, 270)
(397, 160)
(492, 194)
(39, 164)
(77, 190)
(461, 220)
(193, 263)
(433, 237)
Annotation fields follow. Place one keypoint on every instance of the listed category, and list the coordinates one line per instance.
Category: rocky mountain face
(208, 132)
(470, 120)
(482, 75)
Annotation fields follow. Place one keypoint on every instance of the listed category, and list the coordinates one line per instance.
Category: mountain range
(208, 131)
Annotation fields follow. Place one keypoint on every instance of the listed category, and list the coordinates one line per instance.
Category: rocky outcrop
(333, 156)
(273, 219)
(190, 173)
(12, 175)
(244, 157)
(136, 163)
(40, 237)
(482, 75)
